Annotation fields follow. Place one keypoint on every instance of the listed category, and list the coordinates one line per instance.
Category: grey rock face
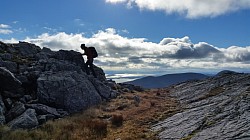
(43, 109)
(6, 56)
(71, 91)
(17, 109)
(45, 54)
(2, 111)
(99, 73)
(8, 103)
(215, 108)
(8, 81)
(27, 49)
(71, 56)
(60, 65)
(11, 66)
(103, 90)
(27, 120)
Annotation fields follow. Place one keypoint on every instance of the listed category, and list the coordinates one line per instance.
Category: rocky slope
(215, 108)
(37, 85)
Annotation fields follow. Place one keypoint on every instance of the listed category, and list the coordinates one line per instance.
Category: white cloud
(4, 29)
(238, 54)
(116, 1)
(50, 29)
(4, 26)
(189, 8)
(118, 53)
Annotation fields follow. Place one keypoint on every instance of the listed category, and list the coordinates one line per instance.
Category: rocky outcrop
(68, 90)
(215, 108)
(26, 49)
(40, 84)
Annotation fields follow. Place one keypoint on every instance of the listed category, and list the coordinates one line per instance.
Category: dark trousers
(89, 64)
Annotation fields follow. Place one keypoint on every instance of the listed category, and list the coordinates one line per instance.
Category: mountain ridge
(166, 80)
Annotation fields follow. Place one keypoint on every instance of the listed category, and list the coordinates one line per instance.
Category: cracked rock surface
(216, 108)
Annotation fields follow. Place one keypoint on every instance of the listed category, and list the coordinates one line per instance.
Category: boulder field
(38, 84)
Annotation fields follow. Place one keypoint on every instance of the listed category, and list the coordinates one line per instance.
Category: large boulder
(59, 65)
(99, 73)
(71, 56)
(8, 81)
(2, 111)
(103, 90)
(69, 90)
(27, 120)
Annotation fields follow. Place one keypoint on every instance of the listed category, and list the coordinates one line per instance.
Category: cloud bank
(188, 8)
(119, 53)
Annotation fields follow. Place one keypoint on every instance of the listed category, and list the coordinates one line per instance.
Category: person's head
(83, 46)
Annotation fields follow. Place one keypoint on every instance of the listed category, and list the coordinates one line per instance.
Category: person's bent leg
(93, 71)
(86, 67)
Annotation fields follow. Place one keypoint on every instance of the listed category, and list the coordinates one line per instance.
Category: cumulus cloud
(4, 26)
(4, 29)
(189, 8)
(183, 48)
(119, 53)
(237, 54)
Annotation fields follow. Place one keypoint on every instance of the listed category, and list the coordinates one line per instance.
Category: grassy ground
(119, 119)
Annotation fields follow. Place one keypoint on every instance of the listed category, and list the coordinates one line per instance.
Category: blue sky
(138, 37)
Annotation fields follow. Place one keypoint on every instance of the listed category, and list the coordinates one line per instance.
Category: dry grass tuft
(117, 120)
(98, 126)
(152, 104)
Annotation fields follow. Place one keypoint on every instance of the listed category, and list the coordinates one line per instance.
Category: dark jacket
(88, 52)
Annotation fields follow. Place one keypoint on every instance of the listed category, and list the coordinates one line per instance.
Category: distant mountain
(166, 80)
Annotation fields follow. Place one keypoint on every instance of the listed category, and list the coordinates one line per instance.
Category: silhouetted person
(90, 58)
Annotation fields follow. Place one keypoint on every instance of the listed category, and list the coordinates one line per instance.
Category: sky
(136, 38)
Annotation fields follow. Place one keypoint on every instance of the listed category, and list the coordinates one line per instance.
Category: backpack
(94, 52)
